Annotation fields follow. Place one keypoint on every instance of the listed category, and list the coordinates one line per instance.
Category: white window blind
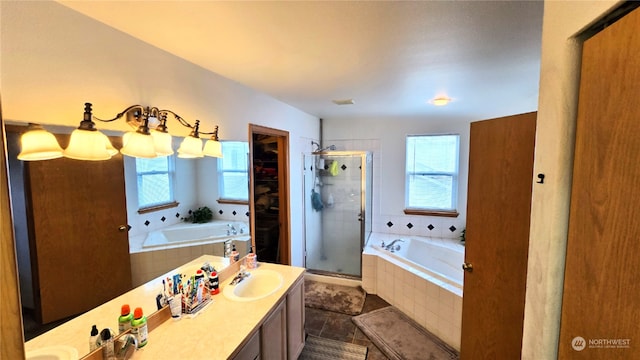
(155, 181)
(233, 171)
(431, 180)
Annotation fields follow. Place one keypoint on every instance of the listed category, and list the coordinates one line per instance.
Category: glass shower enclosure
(337, 193)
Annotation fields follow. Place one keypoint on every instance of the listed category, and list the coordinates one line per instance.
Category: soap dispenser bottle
(251, 259)
(235, 255)
(93, 338)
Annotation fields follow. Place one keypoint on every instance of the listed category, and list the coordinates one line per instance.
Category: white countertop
(213, 334)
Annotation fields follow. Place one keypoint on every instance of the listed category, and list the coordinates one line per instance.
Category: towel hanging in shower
(333, 168)
(316, 200)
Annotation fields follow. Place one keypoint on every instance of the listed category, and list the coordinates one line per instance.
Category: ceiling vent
(344, 102)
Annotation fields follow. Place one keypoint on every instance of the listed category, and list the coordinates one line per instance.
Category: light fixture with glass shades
(150, 138)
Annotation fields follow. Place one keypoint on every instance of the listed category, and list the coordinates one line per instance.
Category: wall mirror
(114, 230)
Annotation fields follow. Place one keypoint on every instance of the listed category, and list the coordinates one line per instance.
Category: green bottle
(139, 327)
(125, 318)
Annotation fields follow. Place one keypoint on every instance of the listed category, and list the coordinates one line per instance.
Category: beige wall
(55, 59)
(557, 106)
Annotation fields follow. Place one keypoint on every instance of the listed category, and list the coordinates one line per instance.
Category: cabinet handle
(467, 267)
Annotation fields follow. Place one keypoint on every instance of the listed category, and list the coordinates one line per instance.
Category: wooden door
(79, 252)
(501, 156)
(11, 335)
(600, 304)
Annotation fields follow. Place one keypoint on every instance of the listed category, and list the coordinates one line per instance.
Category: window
(233, 171)
(431, 180)
(155, 181)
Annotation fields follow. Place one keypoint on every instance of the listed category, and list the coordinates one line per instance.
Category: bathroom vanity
(268, 325)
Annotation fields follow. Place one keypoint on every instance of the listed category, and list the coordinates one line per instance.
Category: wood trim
(11, 332)
(233, 202)
(452, 213)
(149, 209)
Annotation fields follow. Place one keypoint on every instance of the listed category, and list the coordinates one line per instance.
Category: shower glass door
(337, 211)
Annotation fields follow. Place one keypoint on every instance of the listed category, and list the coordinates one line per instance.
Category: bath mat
(399, 337)
(339, 298)
(317, 348)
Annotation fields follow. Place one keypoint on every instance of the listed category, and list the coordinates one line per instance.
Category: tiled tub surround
(151, 261)
(433, 298)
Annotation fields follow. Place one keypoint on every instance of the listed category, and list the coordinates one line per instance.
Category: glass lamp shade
(138, 145)
(110, 149)
(162, 143)
(39, 144)
(213, 148)
(191, 147)
(88, 145)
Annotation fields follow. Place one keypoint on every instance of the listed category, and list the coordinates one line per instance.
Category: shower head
(330, 147)
(319, 150)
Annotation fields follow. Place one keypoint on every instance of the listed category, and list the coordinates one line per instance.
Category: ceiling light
(440, 101)
(150, 139)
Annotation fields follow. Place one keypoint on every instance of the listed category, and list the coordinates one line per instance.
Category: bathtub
(436, 258)
(423, 278)
(195, 234)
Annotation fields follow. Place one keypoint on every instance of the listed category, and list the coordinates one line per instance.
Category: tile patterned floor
(336, 326)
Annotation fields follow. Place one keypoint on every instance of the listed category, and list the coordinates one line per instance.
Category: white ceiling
(391, 57)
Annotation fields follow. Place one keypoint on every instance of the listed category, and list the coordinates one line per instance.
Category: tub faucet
(232, 230)
(390, 246)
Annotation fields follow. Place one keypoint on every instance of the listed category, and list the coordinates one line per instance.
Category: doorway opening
(269, 193)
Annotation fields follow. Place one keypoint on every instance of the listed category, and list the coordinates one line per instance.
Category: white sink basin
(60, 352)
(260, 283)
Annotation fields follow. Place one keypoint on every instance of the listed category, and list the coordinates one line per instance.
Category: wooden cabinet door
(600, 312)
(295, 320)
(251, 350)
(497, 236)
(273, 334)
(77, 220)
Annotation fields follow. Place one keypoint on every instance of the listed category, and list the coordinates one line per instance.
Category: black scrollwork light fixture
(150, 139)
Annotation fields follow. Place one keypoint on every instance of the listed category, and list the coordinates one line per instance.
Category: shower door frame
(365, 216)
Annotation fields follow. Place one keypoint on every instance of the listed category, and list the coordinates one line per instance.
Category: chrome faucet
(391, 246)
(243, 274)
(231, 230)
